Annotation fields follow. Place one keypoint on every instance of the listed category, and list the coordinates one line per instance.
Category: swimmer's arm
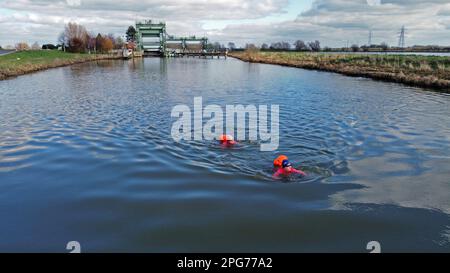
(277, 174)
(299, 172)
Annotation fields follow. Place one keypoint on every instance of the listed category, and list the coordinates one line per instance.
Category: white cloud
(374, 2)
(336, 22)
(73, 3)
(331, 21)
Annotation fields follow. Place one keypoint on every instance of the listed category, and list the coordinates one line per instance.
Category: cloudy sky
(333, 22)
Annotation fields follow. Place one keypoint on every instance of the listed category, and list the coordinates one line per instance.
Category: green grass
(381, 60)
(426, 71)
(23, 62)
(36, 57)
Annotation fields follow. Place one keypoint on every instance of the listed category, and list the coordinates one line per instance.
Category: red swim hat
(225, 138)
(278, 162)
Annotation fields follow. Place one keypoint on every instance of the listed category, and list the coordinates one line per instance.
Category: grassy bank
(423, 71)
(24, 62)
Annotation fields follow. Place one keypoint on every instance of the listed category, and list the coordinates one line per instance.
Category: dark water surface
(86, 154)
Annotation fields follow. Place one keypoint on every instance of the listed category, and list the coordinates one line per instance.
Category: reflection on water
(86, 154)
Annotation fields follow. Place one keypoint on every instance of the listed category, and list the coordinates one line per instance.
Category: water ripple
(87, 153)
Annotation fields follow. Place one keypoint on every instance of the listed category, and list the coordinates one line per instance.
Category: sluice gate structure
(153, 40)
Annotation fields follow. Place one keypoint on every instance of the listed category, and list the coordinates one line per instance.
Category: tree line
(77, 39)
(298, 45)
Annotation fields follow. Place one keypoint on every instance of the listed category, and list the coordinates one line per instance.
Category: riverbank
(422, 71)
(20, 63)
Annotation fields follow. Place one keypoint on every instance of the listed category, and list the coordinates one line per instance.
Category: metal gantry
(152, 39)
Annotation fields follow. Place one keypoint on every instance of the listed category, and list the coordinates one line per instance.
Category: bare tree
(35, 46)
(119, 43)
(91, 43)
(275, 46)
(217, 46)
(251, 47)
(231, 46)
(300, 45)
(75, 37)
(314, 46)
(280, 46)
(264, 46)
(285, 46)
(22, 46)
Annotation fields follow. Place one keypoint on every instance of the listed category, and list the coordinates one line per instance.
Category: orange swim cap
(278, 162)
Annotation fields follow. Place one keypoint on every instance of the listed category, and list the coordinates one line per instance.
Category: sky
(335, 23)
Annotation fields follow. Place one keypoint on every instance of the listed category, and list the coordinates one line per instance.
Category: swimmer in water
(227, 140)
(286, 170)
(278, 162)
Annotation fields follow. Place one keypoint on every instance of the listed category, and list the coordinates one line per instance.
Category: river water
(86, 155)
